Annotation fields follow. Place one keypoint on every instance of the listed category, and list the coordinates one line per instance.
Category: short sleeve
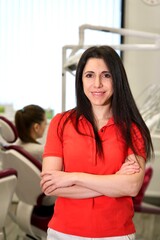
(138, 142)
(53, 145)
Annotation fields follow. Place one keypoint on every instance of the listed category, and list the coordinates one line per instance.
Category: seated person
(31, 122)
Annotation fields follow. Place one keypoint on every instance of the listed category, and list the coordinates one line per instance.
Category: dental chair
(8, 131)
(8, 182)
(139, 205)
(34, 209)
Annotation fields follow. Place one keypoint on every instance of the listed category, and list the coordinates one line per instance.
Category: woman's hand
(130, 166)
(52, 180)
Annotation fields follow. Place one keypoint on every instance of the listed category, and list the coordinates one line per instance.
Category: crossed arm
(126, 182)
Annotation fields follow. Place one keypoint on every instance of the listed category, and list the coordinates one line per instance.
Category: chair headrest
(8, 130)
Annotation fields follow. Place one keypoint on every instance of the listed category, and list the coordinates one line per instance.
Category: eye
(106, 75)
(89, 75)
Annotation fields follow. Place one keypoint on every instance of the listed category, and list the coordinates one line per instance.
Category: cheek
(86, 91)
(112, 90)
(42, 130)
(111, 87)
(86, 86)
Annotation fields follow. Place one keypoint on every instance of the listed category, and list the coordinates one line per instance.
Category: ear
(36, 127)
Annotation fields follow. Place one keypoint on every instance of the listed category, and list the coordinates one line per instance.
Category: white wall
(143, 67)
(32, 34)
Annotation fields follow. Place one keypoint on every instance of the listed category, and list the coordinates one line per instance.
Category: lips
(98, 93)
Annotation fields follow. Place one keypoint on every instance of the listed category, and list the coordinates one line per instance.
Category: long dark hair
(125, 111)
(25, 118)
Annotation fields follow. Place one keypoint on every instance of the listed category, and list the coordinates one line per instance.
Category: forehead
(94, 64)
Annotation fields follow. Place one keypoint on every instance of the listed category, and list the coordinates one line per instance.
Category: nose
(98, 82)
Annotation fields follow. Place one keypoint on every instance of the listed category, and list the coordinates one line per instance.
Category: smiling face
(97, 82)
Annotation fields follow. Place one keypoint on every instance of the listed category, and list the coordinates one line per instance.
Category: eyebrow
(106, 71)
(88, 72)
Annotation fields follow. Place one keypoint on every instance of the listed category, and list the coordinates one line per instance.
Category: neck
(102, 113)
(102, 116)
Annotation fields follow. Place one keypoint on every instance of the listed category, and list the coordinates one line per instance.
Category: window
(32, 34)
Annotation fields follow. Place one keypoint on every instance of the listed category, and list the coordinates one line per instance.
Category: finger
(131, 168)
(45, 182)
(47, 178)
(129, 160)
(132, 172)
(45, 187)
(49, 190)
(42, 174)
(127, 163)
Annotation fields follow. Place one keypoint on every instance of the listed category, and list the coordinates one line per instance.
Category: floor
(147, 226)
(12, 230)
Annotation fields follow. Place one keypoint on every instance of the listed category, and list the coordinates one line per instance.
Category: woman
(31, 123)
(94, 157)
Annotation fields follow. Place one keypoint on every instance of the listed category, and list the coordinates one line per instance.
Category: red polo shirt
(100, 216)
